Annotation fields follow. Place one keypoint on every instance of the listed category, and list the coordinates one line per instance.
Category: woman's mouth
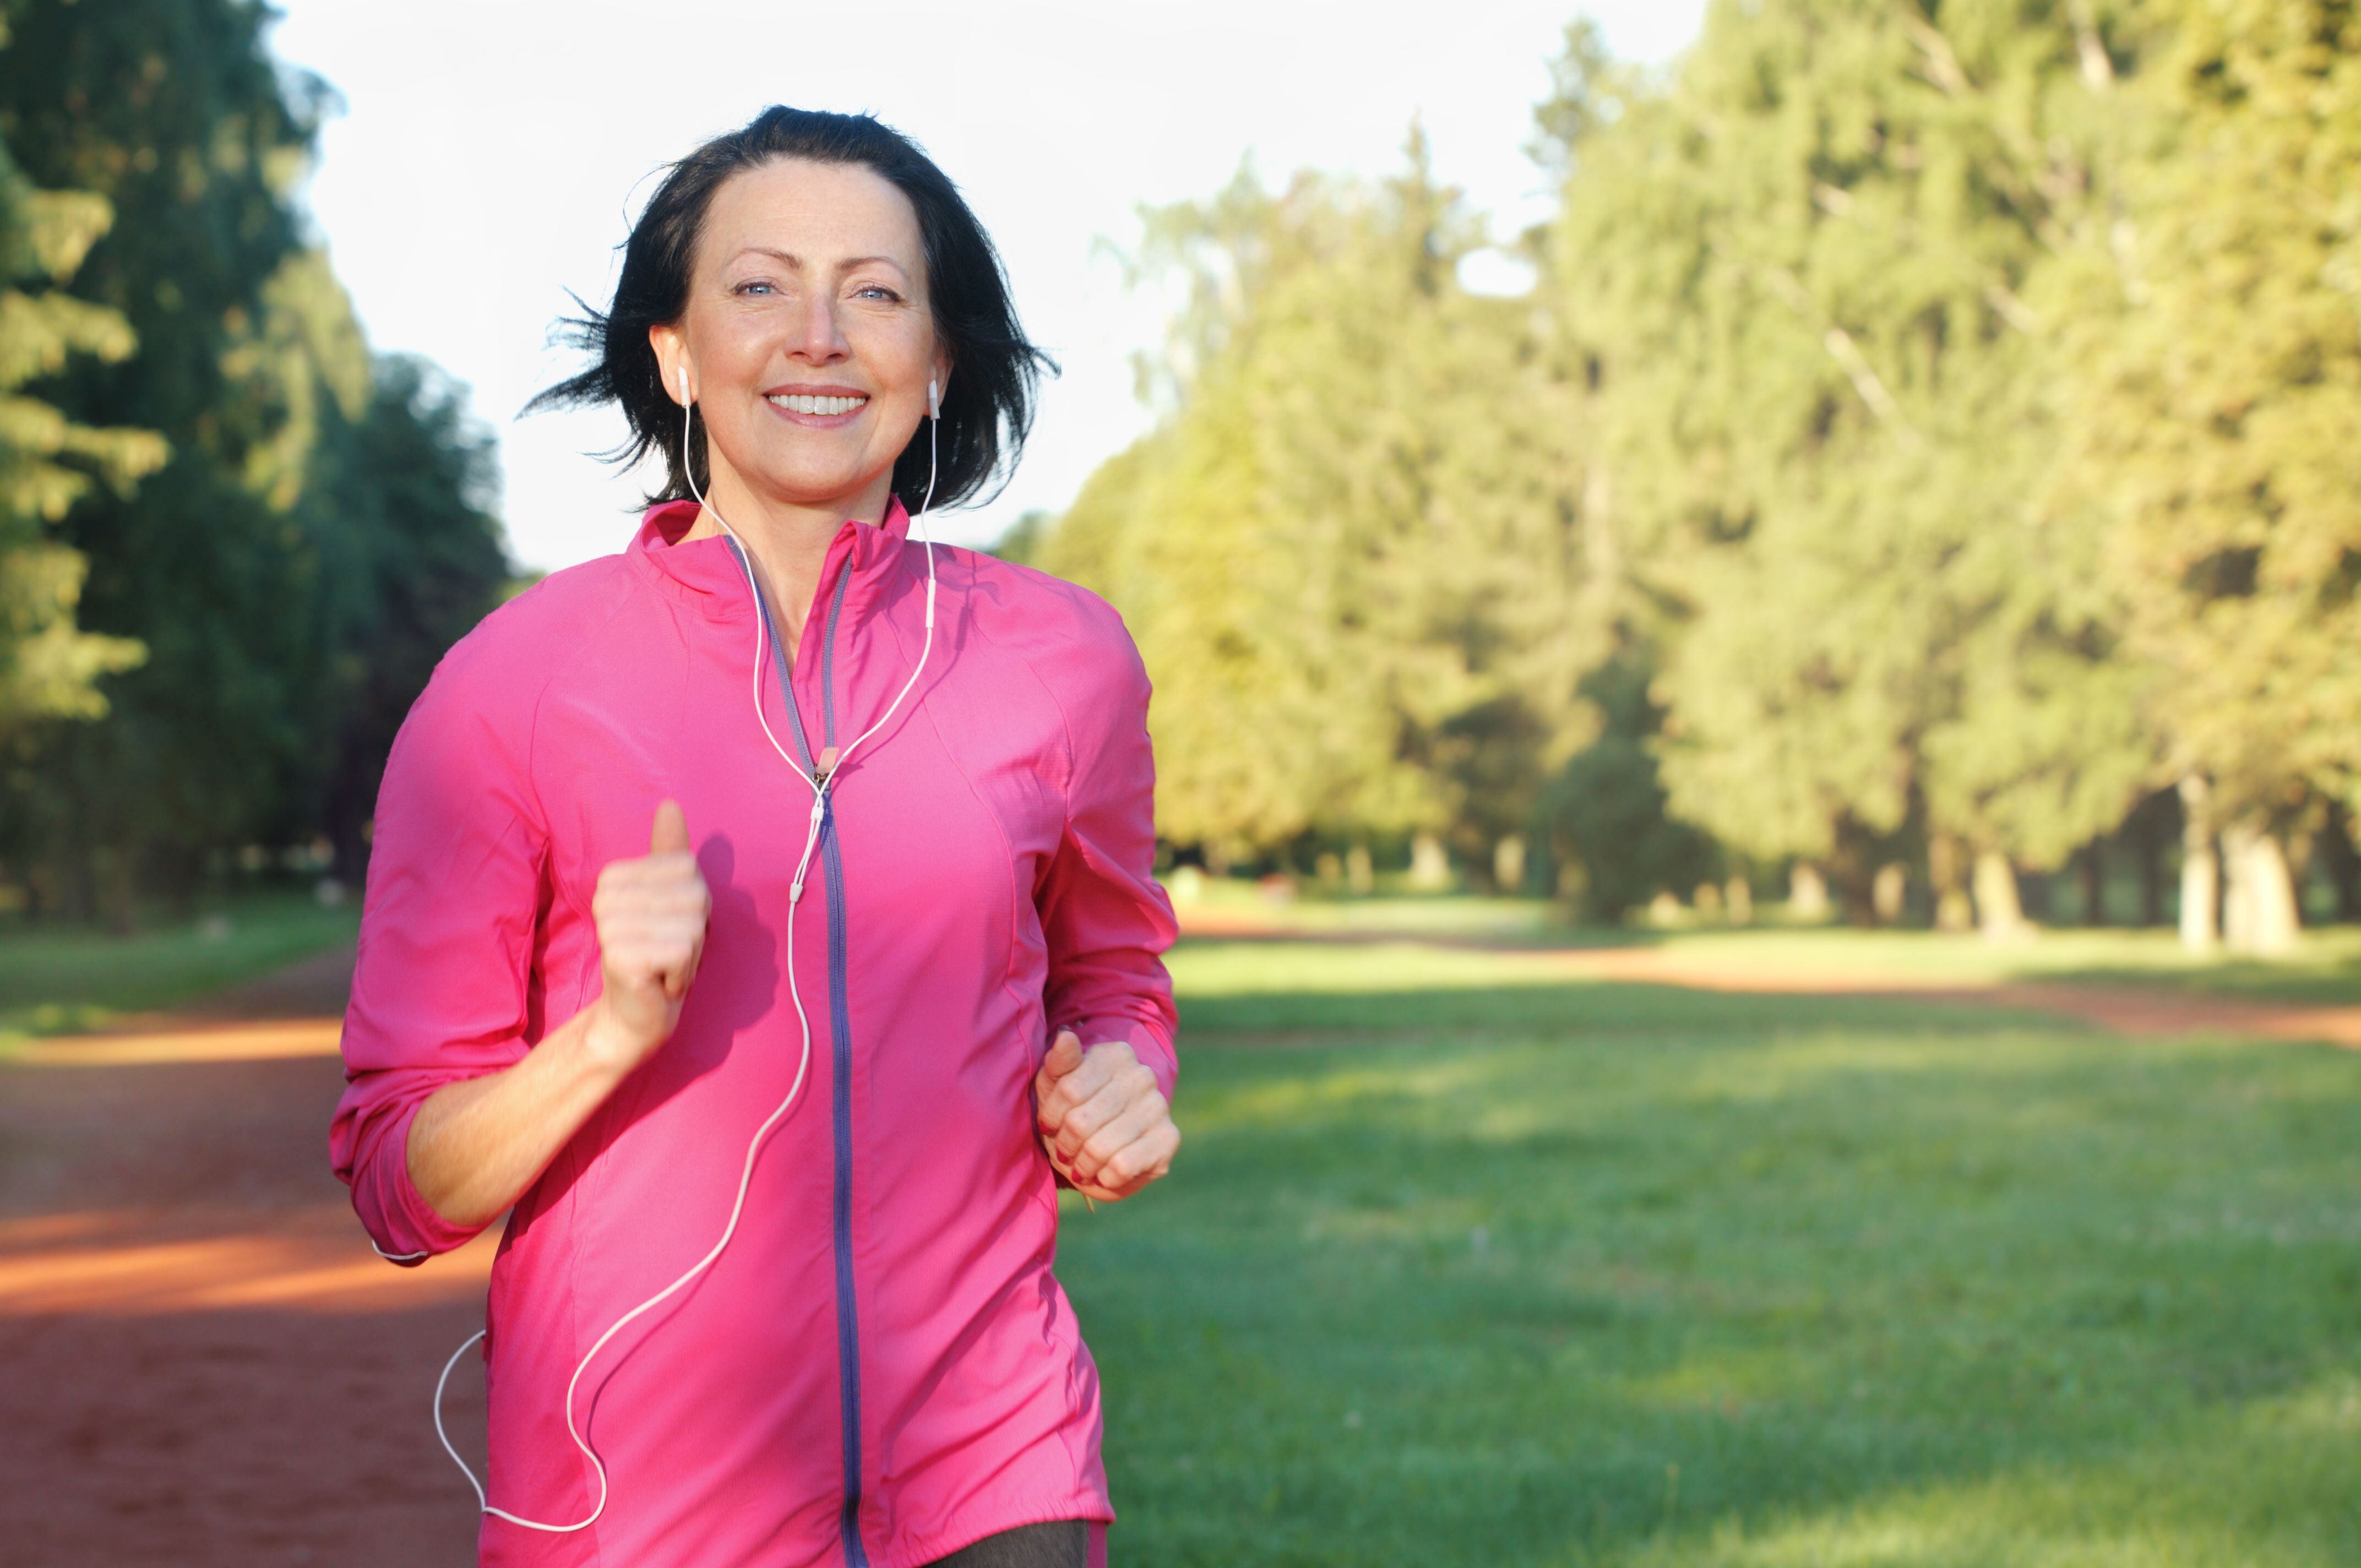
(815, 404)
(818, 407)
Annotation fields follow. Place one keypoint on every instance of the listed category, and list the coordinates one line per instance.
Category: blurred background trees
(1349, 554)
(215, 654)
(48, 664)
(1925, 459)
(1917, 479)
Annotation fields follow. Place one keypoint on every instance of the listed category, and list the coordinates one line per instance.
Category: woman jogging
(763, 915)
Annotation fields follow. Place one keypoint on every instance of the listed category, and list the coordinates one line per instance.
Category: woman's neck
(787, 540)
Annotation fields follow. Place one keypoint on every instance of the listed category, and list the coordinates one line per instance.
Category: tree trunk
(1360, 875)
(1808, 892)
(1946, 871)
(2091, 868)
(2200, 873)
(2342, 863)
(1430, 868)
(2149, 847)
(2259, 915)
(1509, 865)
(1998, 911)
(1853, 875)
(1889, 891)
(118, 890)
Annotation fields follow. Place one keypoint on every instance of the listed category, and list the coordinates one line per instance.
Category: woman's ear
(672, 360)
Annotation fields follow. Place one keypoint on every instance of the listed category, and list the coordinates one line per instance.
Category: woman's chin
(829, 489)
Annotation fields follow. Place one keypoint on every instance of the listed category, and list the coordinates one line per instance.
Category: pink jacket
(881, 1367)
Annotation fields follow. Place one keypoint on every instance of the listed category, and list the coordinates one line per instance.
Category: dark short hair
(987, 408)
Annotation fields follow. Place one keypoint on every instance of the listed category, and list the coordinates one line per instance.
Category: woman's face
(807, 337)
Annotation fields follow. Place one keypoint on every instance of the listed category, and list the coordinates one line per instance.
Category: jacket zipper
(840, 1023)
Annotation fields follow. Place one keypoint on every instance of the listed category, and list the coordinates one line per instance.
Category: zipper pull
(820, 809)
(823, 767)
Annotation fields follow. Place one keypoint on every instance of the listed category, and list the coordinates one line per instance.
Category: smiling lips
(829, 403)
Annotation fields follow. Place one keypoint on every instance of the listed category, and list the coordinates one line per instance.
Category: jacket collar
(704, 573)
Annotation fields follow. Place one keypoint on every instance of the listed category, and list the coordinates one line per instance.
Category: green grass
(1454, 914)
(57, 978)
(2326, 969)
(1464, 1264)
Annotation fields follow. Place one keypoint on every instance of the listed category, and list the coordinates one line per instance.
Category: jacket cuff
(1151, 1044)
(404, 1228)
(1153, 1047)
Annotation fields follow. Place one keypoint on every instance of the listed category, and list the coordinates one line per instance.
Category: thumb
(670, 835)
(1065, 1055)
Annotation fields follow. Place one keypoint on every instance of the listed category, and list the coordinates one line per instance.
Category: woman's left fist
(1107, 1128)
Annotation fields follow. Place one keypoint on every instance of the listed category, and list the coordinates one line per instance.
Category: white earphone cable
(821, 787)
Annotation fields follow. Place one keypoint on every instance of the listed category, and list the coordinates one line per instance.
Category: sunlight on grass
(1214, 968)
(2268, 1483)
(1463, 1263)
(2325, 967)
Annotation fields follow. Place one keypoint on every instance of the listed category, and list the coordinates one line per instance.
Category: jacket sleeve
(1105, 918)
(454, 890)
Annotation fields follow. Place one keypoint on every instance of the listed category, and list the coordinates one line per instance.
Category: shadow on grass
(1565, 1273)
(2332, 982)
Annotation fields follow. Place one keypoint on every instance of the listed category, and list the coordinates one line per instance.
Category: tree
(174, 115)
(1348, 550)
(1605, 809)
(408, 559)
(1804, 280)
(323, 521)
(2219, 414)
(50, 666)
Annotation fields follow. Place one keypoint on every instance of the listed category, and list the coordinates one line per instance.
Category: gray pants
(1064, 1544)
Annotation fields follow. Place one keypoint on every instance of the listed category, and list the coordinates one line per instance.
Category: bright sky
(490, 149)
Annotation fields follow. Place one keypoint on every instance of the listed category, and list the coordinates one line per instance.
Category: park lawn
(1463, 1263)
(57, 979)
(2325, 971)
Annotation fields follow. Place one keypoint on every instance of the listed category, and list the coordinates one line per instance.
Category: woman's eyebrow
(791, 259)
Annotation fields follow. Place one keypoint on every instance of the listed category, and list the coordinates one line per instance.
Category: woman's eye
(756, 286)
(877, 291)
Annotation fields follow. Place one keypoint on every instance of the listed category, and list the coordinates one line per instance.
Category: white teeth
(797, 402)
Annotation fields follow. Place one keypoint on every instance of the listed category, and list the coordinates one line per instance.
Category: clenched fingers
(1105, 1123)
(1138, 1163)
(1106, 1154)
(651, 916)
(1107, 1063)
(1125, 1088)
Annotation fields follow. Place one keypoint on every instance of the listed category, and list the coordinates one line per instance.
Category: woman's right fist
(650, 914)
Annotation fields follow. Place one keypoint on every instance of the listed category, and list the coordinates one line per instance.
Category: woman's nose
(818, 335)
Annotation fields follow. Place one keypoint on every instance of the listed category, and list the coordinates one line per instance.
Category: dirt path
(2152, 1013)
(202, 1363)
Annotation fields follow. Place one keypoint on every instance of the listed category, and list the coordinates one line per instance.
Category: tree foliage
(2221, 398)
(1349, 554)
(251, 565)
(1806, 280)
(48, 664)
(1932, 438)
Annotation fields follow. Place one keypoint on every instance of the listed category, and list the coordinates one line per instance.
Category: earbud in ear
(934, 399)
(683, 378)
